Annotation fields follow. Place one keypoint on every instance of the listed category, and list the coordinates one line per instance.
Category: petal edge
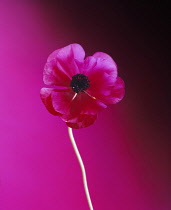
(81, 121)
(45, 95)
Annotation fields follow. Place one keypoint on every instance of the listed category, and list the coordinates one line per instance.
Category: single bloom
(79, 87)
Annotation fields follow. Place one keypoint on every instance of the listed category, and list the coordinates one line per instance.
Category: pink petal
(73, 50)
(69, 56)
(87, 104)
(81, 121)
(71, 105)
(100, 84)
(101, 71)
(104, 63)
(68, 66)
(53, 55)
(77, 52)
(88, 65)
(54, 75)
(77, 111)
(45, 94)
(104, 83)
(118, 91)
(61, 102)
(116, 94)
(62, 65)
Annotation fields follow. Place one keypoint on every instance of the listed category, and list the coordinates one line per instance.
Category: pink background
(125, 151)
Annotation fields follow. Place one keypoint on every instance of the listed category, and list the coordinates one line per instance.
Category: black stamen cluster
(79, 83)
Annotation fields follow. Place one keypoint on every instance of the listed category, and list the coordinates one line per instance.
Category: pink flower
(80, 87)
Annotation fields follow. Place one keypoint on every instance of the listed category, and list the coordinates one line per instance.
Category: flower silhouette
(79, 87)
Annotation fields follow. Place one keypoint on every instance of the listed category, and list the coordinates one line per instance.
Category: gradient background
(126, 151)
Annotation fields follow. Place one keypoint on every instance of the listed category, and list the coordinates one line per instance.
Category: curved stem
(82, 167)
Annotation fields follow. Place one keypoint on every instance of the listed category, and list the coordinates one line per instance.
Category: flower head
(80, 87)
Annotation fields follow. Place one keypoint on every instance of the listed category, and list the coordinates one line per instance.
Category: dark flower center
(79, 83)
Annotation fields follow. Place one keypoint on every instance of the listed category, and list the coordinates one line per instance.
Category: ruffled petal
(68, 58)
(101, 71)
(116, 94)
(62, 65)
(77, 110)
(100, 84)
(71, 104)
(73, 119)
(68, 66)
(53, 55)
(62, 100)
(88, 65)
(81, 121)
(104, 63)
(73, 50)
(86, 104)
(54, 75)
(46, 96)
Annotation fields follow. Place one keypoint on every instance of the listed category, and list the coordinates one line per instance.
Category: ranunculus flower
(80, 87)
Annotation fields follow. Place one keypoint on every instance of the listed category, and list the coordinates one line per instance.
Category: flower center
(79, 83)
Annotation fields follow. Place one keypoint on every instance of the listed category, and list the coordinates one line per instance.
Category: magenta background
(126, 151)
